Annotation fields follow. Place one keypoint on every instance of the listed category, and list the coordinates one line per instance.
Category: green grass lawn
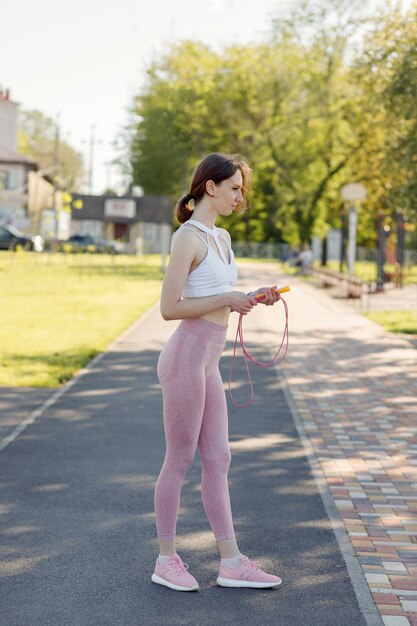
(396, 321)
(58, 311)
(366, 270)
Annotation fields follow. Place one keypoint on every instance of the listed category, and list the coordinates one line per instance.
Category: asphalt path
(77, 523)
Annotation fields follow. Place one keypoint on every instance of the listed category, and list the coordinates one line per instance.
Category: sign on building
(119, 207)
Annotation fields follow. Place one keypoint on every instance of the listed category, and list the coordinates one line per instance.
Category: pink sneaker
(174, 575)
(247, 574)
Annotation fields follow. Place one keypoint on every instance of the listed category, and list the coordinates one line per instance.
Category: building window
(4, 179)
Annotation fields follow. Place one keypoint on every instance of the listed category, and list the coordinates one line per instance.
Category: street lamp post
(353, 194)
(401, 220)
(383, 231)
(343, 237)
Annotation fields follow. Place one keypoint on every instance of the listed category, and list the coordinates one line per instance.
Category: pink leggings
(195, 415)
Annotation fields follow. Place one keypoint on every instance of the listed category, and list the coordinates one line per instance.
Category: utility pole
(55, 157)
(91, 159)
(92, 144)
(55, 160)
(108, 165)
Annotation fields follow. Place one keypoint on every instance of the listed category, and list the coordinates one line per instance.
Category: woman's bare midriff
(218, 316)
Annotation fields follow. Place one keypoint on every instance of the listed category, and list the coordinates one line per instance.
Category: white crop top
(214, 275)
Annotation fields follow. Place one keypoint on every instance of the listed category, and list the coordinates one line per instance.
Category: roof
(147, 209)
(8, 156)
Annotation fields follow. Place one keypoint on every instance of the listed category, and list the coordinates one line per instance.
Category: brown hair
(216, 167)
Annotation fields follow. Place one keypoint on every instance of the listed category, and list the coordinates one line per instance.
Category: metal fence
(260, 250)
(369, 254)
(279, 251)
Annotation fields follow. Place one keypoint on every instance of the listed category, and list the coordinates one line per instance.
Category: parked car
(111, 246)
(87, 243)
(13, 239)
(79, 243)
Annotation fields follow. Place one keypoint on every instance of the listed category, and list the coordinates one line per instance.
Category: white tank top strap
(223, 237)
(184, 226)
(210, 231)
(220, 234)
(215, 233)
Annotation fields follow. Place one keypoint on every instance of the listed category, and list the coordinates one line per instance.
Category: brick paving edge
(359, 582)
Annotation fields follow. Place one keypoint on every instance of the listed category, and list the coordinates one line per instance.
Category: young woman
(198, 289)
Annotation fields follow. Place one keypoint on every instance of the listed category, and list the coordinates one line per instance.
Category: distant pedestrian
(305, 260)
(198, 289)
(290, 256)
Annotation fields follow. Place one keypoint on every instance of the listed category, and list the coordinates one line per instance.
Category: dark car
(111, 246)
(13, 239)
(79, 243)
(87, 243)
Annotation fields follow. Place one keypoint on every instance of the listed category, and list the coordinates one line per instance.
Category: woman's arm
(184, 250)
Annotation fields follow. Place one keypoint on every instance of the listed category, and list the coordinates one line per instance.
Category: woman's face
(229, 193)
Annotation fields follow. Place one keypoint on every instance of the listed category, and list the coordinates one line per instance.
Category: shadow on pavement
(78, 533)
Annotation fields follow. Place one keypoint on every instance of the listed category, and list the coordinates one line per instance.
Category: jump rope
(276, 359)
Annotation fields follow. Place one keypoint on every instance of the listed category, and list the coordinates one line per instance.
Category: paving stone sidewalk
(354, 387)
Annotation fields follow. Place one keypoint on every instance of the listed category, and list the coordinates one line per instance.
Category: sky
(82, 61)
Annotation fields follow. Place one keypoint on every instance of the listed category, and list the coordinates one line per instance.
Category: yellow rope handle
(280, 290)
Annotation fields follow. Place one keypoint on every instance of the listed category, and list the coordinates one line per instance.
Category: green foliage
(386, 71)
(308, 111)
(37, 139)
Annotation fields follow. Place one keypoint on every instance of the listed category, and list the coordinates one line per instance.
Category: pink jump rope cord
(276, 359)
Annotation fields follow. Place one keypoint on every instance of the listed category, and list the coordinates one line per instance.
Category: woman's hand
(241, 302)
(271, 295)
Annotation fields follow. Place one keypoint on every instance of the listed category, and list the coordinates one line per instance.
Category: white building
(14, 168)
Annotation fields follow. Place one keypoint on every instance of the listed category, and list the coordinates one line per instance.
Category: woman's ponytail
(184, 209)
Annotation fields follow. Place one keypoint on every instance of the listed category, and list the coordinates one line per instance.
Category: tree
(38, 139)
(401, 95)
(386, 75)
(324, 113)
(306, 111)
(259, 101)
(171, 118)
